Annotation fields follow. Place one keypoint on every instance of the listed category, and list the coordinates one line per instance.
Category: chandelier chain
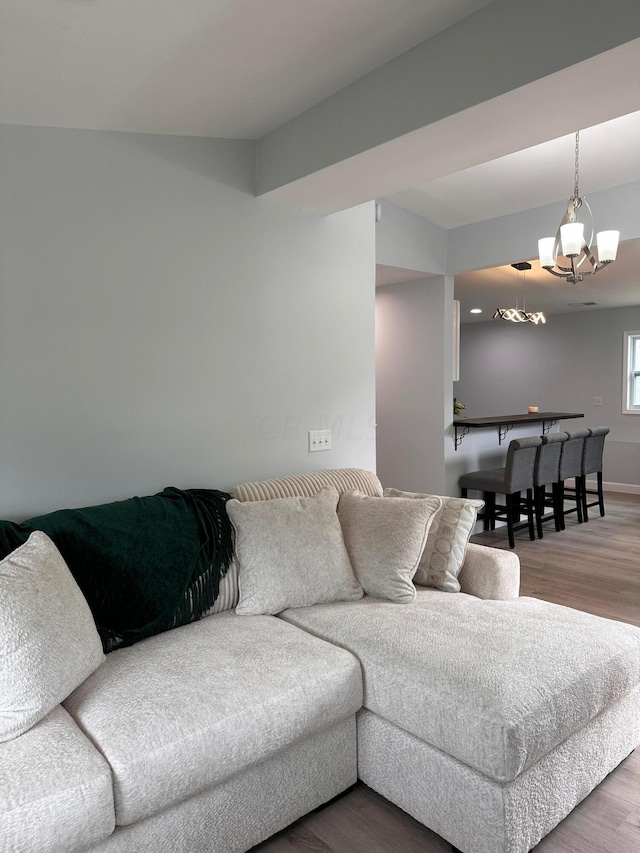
(576, 177)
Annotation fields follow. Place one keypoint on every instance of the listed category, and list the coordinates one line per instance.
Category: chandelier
(570, 240)
(520, 315)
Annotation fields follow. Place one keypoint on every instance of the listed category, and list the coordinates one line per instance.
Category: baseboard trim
(624, 488)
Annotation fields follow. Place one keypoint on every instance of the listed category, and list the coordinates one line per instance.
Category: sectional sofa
(486, 716)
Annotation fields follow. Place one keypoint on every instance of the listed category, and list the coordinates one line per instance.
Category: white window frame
(629, 372)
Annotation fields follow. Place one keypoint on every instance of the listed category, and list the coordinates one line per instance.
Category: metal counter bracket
(547, 425)
(503, 429)
(458, 438)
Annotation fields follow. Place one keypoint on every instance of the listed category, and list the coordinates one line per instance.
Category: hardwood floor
(594, 567)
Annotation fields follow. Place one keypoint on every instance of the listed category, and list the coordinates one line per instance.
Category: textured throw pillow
(385, 540)
(48, 640)
(446, 546)
(290, 553)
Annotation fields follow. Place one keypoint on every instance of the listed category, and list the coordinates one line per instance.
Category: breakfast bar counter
(504, 423)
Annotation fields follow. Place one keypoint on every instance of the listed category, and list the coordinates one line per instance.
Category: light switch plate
(319, 439)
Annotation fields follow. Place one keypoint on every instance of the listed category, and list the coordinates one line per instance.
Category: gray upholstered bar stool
(547, 473)
(592, 464)
(571, 469)
(511, 481)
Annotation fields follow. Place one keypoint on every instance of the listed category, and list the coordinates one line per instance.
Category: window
(631, 374)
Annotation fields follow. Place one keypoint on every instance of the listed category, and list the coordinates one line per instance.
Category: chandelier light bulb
(572, 238)
(545, 252)
(607, 246)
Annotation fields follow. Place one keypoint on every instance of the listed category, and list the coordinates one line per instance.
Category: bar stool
(592, 464)
(547, 473)
(571, 469)
(516, 477)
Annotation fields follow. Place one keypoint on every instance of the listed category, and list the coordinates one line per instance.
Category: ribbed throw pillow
(385, 540)
(290, 553)
(48, 640)
(447, 542)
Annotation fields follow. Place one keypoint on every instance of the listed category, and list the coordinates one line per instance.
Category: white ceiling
(222, 68)
(532, 177)
(240, 68)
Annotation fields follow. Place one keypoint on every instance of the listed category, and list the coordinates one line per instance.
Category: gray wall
(159, 325)
(413, 382)
(506, 367)
(413, 354)
(406, 240)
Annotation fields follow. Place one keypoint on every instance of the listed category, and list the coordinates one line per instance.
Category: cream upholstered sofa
(486, 716)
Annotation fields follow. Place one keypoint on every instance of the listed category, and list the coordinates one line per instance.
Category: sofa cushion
(495, 684)
(56, 793)
(182, 711)
(385, 540)
(291, 553)
(446, 545)
(48, 638)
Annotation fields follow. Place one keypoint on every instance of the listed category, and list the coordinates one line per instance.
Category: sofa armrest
(490, 573)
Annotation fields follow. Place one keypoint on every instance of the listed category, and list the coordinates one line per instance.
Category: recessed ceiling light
(476, 311)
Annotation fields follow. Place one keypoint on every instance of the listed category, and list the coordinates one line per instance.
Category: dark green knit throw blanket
(144, 564)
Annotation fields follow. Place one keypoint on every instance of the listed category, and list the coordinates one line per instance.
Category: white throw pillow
(447, 542)
(290, 553)
(385, 540)
(48, 639)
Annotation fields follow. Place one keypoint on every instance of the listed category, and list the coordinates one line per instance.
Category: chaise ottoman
(488, 721)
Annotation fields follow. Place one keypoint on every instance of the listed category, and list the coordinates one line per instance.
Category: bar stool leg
(538, 500)
(517, 504)
(600, 493)
(579, 498)
(532, 532)
(510, 515)
(489, 520)
(583, 492)
(557, 506)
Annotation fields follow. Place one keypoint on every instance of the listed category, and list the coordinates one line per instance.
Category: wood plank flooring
(594, 567)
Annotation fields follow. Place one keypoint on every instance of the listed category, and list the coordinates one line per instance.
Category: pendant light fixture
(570, 239)
(520, 315)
